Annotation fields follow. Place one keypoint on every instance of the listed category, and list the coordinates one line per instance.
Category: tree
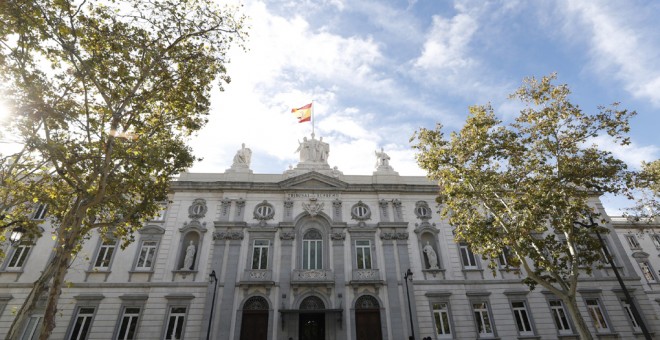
(106, 95)
(647, 184)
(520, 188)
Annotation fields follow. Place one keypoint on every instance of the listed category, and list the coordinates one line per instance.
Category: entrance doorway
(311, 322)
(254, 325)
(367, 318)
(312, 326)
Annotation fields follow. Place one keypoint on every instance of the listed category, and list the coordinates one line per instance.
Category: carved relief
(394, 236)
(287, 235)
(338, 236)
(313, 208)
(197, 209)
(228, 235)
(264, 211)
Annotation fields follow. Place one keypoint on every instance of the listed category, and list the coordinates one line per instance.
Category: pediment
(313, 180)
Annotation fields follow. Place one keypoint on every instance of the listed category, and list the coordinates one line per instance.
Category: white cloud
(447, 43)
(619, 44)
(632, 153)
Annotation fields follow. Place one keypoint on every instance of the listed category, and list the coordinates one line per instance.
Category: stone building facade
(311, 253)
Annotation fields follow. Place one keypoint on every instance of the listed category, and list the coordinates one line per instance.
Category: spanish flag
(303, 114)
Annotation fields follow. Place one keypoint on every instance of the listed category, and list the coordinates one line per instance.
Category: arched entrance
(367, 318)
(311, 322)
(254, 325)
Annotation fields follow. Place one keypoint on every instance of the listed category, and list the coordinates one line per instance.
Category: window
(175, 322)
(264, 211)
(602, 251)
(31, 331)
(146, 256)
(633, 321)
(40, 211)
(482, 318)
(363, 254)
(441, 318)
(260, 254)
(360, 212)
(559, 315)
(19, 256)
(467, 256)
(522, 318)
(656, 240)
(161, 213)
(647, 271)
(82, 323)
(632, 241)
(312, 250)
(597, 315)
(128, 323)
(503, 257)
(104, 256)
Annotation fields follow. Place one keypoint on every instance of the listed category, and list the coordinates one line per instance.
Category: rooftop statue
(242, 160)
(312, 150)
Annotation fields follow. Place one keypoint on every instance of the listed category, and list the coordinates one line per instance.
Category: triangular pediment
(313, 180)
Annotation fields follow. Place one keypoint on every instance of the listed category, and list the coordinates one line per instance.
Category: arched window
(256, 303)
(312, 303)
(312, 250)
(367, 302)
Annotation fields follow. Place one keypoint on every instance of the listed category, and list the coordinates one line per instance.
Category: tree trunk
(60, 265)
(30, 303)
(580, 325)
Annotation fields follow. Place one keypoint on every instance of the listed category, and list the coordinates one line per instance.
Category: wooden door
(367, 324)
(254, 325)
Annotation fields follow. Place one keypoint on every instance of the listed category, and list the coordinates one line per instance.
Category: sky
(379, 70)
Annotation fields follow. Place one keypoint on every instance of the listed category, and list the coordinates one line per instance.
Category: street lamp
(408, 276)
(16, 235)
(214, 279)
(629, 299)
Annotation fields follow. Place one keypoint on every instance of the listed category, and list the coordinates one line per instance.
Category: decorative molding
(228, 235)
(338, 236)
(393, 236)
(287, 235)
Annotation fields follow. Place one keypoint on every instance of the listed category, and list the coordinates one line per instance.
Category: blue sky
(379, 70)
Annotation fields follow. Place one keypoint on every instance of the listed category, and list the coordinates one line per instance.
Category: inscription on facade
(312, 195)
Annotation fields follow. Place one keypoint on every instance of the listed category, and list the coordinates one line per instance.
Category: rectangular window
(128, 323)
(260, 254)
(363, 254)
(560, 317)
(467, 257)
(656, 240)
(104, 255)
(82, 323)
(647, 272)
(504, 257)
(631, 317)
(175, 321)
(597, 315)
(607, 247)
(40, 211)
(312, 254)
(161, 213)
(19, 256)
(632, 241)
(482, 318)
(522, 318)
(31, 331)
(441, 318)
(146, 256)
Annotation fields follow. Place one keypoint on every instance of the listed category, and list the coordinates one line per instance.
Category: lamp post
(214, 279)
(629, 299)
(408, 276)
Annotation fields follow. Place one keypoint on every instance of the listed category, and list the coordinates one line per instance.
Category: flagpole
(313, 119)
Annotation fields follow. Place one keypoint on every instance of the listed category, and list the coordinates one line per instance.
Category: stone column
(338, 237)
(225, 314)
(392, 281)
(287, 238)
